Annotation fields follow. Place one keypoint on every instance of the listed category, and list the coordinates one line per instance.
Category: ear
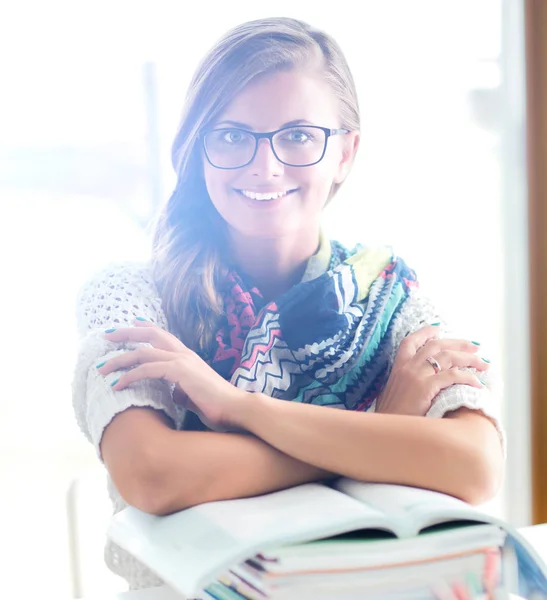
(351, 144)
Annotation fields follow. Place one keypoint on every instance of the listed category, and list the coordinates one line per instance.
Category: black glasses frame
(269, 136)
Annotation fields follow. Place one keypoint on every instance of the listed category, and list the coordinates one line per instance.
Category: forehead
(279, 98)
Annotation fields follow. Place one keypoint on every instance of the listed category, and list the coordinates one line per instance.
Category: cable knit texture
(415, 314)
(121, 292)
(113, 298)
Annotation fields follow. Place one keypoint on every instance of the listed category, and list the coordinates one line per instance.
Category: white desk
(536, 535)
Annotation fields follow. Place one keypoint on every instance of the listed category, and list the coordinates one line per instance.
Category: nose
(265, 163)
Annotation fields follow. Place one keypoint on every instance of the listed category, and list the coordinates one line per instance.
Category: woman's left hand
(198, 387)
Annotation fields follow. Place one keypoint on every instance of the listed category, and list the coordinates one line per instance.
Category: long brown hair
(190, 236)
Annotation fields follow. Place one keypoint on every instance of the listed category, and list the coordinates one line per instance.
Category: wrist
(250, 411)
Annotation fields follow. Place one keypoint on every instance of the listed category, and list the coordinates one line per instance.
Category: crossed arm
(162, 470)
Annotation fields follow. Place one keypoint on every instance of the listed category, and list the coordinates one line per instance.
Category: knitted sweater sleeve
(419, 311)
(113, 298)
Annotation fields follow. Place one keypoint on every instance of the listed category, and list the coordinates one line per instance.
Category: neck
(275, 264)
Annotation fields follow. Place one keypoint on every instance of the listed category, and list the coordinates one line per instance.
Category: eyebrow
(246, 126)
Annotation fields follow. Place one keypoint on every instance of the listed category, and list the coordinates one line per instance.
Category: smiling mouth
(264, 196)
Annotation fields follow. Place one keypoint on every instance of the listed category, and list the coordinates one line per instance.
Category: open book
(192, 548)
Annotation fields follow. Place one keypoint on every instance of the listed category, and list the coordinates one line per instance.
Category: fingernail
(476, 343)
(435, 324)
(485, 360)
(141, 319)
(114, 382)
(110, 330)
(483, 382)
(100, 365)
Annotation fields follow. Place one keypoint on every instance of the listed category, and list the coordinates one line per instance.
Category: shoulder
(120, 275)
(117, 293)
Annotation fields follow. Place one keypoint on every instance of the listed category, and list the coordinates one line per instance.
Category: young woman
(253, 353)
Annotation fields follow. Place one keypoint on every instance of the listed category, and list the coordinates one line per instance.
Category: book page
(411, 509)
(361, 553)
(187, 549)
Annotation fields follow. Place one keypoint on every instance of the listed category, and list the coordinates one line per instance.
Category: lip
(265, 190)
(263, 204)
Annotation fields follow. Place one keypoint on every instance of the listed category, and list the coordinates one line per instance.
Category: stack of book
(344, 541)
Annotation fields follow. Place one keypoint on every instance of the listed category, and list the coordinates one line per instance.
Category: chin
(263, 230)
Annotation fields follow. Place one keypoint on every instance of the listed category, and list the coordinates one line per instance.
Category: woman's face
(265, 105)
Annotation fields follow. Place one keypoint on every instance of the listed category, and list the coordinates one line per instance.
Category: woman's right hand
(414, 382)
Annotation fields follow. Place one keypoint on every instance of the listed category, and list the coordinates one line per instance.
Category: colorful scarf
(327, 340)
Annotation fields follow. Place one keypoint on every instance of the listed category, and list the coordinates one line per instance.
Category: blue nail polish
(141, 319)
(435, 324)
(114, 382)
(100, 365)
(476, 343)
(485, 360)
(110, 330)
(483, 382)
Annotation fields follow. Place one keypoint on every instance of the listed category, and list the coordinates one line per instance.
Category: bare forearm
(161, 470)
(199, 467)
(461, 457)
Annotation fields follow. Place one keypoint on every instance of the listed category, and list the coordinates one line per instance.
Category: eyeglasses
(300, 146)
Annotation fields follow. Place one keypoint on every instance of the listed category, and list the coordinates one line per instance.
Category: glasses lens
(300, 146)
(229, 148)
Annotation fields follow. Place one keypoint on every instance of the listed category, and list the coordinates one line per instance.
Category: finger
(413, 342)
(434, 347)
(151, 370)
(133, 358)
(142, 322)
(157, 337)
(445, 379)
(448, 359)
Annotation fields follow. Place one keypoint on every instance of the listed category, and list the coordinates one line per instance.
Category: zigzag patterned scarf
(327, 340)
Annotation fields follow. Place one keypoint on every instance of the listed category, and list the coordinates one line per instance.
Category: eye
(233, 136)
(298, 136)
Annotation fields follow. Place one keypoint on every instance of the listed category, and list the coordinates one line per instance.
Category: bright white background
(78, 182)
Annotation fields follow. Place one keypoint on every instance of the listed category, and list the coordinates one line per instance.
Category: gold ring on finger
(436, 366)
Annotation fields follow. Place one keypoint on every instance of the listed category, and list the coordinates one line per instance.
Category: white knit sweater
(121, 292)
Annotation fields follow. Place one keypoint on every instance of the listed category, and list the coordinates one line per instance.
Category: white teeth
(257, 196)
